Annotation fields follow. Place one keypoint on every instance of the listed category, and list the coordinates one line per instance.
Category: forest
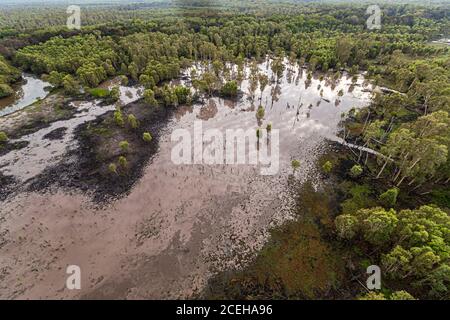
(389, 207)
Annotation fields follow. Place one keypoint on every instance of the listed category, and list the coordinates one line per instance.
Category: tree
(123, 162)
(389, 198)
(112, 168)
(118, 118)
(114, 94)
(260, 113)
(346, 226)
(327, 167)
(229, 89)
(263, 82)
(295, 164)
(132, 121)
(401, 295)
(147, 137)
(70, 85)
(149, 98)
(124, 145)
(5, 90)
(356, 171)
(3, 137)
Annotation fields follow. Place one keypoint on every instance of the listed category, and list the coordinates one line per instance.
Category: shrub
(356, 171)
(123, 162)
(229, 89)
(183, 94)
(269, 127)
(258, 133)
(124, 145)
(5, 90)
(260, 112)
(147, 137)
(114, 94)
(389, 198)
(327, 167)
(132, 121)
(3, 137)
(112, 168)
(118, 118)
(99, 92)
(295, 164)
(124, 80)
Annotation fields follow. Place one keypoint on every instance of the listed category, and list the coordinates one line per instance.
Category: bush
(258, 133)
(112, 168)
(147, 137)
(229, 89)
(5, 90)
(99, 93)
(389, 198)
(356, 171)
(114, 95)
(124, 80)
(132, 121)
(260, 112)
(123, 162)
(118, 118)
(3, 137)
(295, 164)
(183, 94)
(269, 127)
(124, 145)
(327, 167)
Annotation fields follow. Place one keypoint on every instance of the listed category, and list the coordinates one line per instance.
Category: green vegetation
(414, 243)
(295, 164)
(260, 112)
(377, 197)
(389, 198)
(3, 137)
(147, 137)
(124, 146)
(327, 167)
(356, 171)
(132, 121)
(112, 168)
(118, 118)
(8, 75)
(229, 89)
(123, 162)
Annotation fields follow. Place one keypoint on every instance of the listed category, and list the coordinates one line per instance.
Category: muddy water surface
(180, 223)
(25, 94)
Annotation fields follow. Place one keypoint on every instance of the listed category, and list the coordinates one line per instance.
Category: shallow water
(41, 153)
(27, 93)
(180, 223)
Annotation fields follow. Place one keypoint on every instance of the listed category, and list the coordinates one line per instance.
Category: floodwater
(27, 93)
(180, 223)
(41, 152)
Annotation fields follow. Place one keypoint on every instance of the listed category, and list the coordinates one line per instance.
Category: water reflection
(29, 92)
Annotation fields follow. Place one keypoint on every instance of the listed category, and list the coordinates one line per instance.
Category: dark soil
(9, 146)
(7, 186)
(87, 167)
(56, 134)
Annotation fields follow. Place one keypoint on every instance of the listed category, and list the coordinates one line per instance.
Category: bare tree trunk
(384, 166)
